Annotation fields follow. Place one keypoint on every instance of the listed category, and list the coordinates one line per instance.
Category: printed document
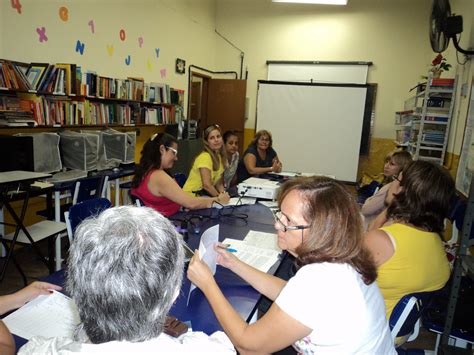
(260, 258)
(53, 315)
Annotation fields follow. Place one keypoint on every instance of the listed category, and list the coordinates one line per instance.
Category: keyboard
(68, 175)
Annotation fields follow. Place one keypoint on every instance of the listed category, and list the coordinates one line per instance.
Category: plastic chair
(180, 179)
(84, 189)
(82, 210)
(136, 200)
(405, 319)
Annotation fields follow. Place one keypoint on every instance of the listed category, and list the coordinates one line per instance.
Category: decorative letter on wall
(110, 49)
(148, 65)
(64, 13)
(157, 51)
(128, 60)
(91, 25)
(42, 34)
(140, 42)
(122, 34)
(16, 5)
(163, 73)
(80, 47)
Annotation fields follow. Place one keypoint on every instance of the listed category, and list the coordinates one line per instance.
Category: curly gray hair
(125, 270)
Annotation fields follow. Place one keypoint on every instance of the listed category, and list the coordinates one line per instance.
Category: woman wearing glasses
(206, 174)
(154, 186)
(259, 158)
(332, 304)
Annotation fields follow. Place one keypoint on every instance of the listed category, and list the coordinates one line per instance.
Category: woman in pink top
(154, 186)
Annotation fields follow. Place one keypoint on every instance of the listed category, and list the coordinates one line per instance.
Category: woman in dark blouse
(259, 158)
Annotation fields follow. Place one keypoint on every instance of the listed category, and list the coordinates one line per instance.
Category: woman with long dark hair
(153, 184)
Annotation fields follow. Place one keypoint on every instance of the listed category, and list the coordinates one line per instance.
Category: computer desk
(241, 295)
(21, 181)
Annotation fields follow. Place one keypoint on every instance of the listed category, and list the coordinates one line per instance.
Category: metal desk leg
(117, 192)
(57, 218)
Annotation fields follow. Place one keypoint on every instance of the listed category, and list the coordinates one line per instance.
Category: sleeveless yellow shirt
(419, 264)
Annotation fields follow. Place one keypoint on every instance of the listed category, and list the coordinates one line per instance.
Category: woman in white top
(332, 304)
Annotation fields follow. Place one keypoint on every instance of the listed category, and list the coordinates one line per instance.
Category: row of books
(69, 79)
(49, 111)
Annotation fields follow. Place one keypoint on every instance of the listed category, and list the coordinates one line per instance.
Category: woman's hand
(276, 165)
(225, 258)
(32, 291)
(199, 273)
(223, 198)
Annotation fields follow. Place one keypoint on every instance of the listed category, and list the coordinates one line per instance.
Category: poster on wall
(466, 162)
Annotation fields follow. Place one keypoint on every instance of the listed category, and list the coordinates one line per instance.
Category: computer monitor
(20, 153)
(46, 156)
(80, 151)
(120, 145)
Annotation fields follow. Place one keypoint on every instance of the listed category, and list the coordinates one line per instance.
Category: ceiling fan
(444, 26)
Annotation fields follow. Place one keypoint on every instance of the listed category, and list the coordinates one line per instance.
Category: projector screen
(316, 128)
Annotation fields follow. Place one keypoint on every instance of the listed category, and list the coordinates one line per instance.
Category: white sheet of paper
(269, 204)
(237, 201)
(206, 251)
(262, 240)
(53, 315)
(259, 258)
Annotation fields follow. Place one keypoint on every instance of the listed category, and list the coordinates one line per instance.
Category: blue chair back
(405, 318)
(82, 210)
(89, 188)
(180, 178)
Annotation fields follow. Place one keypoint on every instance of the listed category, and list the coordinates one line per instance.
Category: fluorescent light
(321, 2)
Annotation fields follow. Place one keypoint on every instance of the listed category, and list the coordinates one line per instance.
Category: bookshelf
(63, 95)
(423, 125)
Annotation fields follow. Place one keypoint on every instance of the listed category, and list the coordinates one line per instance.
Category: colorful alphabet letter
(42, 34)
(80, 47)
(140, 42)
(128, 60)
(122, 34)
(157, 51)
(91, 25)
(63, 13)
(110, 49)
(16, 5)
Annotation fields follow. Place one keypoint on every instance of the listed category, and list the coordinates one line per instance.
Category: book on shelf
(442, 82)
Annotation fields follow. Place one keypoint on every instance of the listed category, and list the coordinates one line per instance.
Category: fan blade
(440, 11)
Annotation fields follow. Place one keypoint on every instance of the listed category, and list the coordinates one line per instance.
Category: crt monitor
(46, 156)
(16, 153)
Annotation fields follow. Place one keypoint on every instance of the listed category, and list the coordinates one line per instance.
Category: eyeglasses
(395, 177)
(283, 227)
(173, 150)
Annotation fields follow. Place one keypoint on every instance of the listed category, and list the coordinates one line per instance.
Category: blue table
(242, 296)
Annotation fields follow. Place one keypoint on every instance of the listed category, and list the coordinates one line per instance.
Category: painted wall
(391, 34)
(120, 38)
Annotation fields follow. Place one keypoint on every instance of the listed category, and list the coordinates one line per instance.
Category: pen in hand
(226, 247)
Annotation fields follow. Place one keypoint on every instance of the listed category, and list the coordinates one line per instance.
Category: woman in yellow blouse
(205, 176)
(408, 248)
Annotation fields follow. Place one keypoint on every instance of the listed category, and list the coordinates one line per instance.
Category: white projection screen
(316, 128)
